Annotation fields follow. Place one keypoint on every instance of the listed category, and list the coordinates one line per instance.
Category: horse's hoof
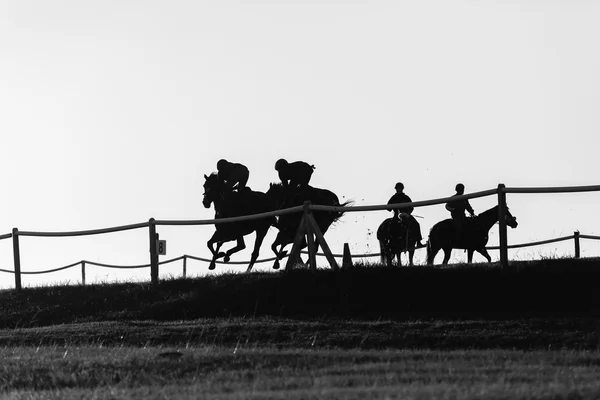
(226, 258)
(276, 265)
(211, 266)
(221, 254)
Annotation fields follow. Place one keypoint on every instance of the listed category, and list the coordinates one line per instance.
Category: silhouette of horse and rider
(227, 190)
(288, 224)
(399, 233)
(461, 232)
(228, 204)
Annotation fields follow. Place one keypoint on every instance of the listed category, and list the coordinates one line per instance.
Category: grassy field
(473, 332)
(217, 372)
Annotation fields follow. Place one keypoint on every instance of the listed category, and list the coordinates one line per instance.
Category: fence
(503, 247)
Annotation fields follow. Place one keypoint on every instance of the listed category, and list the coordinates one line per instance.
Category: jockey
(401, 197)
(233, 175)
(294, 174)
(457, 210)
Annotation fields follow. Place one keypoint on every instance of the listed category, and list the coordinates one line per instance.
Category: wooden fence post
(184, 266)
(346, 257)
(310, 237)
(153, 252)
(502, 226)
(83, 273)
(294, 256)
(576, 239)
(17, 258)
(310, 221)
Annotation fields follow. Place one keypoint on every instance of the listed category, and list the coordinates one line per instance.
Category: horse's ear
(205, 177)
(270, 184)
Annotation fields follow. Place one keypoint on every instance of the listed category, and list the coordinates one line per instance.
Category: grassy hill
(365, 332)
(554, 287)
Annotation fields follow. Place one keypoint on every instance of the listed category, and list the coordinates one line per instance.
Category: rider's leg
(419, 236)
(457, 221)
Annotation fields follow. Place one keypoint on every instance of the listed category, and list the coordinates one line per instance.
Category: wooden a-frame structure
(309, 230)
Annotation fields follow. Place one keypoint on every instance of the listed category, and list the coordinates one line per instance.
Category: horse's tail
(336, 215)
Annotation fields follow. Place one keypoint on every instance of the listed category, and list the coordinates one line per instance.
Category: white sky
(112, 111)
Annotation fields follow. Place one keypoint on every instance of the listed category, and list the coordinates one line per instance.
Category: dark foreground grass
(240, 373)
(524, 334)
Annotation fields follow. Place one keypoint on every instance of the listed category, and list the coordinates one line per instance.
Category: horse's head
(510, 219)
(212, 189)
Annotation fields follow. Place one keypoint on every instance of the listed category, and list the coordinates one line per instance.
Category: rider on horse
(457, 210)
(401, 197)
(233, 175)
(295, 174)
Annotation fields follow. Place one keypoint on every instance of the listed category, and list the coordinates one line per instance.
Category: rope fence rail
(500, 191)
(185, 257)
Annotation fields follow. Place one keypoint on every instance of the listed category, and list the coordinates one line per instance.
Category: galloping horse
(397, 235)
(286, 197)
(233, 204)
(474, 235)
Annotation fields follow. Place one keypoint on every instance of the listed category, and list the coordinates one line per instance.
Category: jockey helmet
(222, 164)
(460, 187)
(399, 185)
(281, 163)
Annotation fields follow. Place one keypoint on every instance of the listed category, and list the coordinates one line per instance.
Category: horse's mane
(490, 211)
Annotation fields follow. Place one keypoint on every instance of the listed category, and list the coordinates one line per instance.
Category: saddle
(239, 202)
(407, 221)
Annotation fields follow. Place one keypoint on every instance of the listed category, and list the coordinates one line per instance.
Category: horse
(397, 235)
(286, 197)
(234, 204)
(474, 235)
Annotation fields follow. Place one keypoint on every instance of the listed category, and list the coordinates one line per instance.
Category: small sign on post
(161, 247)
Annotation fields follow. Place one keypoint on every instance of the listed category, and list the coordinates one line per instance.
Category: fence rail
(501, 192)
(85, 233)
(185, 257)
(6, 236)
(516, 246)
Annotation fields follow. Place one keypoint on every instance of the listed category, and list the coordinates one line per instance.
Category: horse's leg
(470, 256)
(241, 245)
(485, 253)
(215, 251)
(260, 236)
(211, 242)
(411, 253)
(447, 253)
(279, 254)
(398, 257)
(382, 253)
(431, 252)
